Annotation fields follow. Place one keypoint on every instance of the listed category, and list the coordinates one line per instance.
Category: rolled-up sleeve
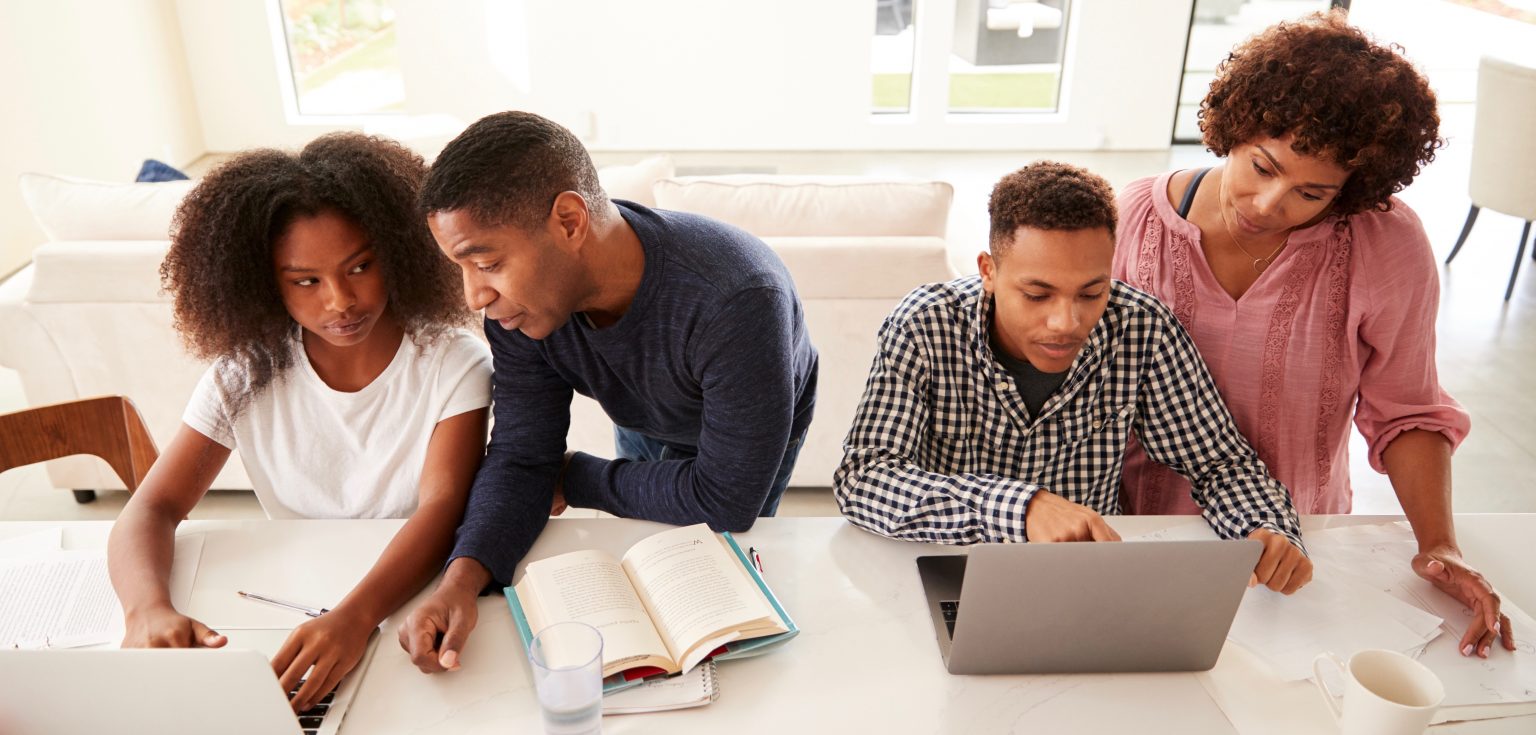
(1399, 384)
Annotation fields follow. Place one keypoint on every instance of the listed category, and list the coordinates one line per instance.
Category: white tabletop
(866, 658)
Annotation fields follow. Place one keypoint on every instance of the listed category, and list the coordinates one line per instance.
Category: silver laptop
(229, 690)
(1086, 607)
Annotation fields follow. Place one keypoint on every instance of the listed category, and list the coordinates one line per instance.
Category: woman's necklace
(1259, 264)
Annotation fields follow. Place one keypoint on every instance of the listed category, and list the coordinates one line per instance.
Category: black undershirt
(1035, 387)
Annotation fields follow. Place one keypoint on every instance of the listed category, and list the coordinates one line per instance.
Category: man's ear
(988, 268)
(569, 219)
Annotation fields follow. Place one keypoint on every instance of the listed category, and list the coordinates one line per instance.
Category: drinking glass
(567, 661)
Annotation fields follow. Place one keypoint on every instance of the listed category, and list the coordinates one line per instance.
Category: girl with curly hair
(338, 372)
(1309, 288)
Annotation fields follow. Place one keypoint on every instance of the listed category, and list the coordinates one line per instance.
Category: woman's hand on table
(1444, 567)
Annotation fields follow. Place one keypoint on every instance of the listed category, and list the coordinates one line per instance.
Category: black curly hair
(1343, 96)
(219, 270)
(1048, 195)
(507, 168)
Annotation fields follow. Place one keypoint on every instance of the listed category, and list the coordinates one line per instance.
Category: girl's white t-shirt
(315, 452)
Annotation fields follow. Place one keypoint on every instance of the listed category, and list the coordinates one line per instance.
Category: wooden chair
(109, 427)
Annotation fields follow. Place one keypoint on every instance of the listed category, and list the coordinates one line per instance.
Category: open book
(675, 599)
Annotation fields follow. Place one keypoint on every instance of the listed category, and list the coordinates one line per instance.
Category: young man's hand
(1282, 567)
(1053, 518)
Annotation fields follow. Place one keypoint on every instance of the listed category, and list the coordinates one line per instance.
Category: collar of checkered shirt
(1088, 365)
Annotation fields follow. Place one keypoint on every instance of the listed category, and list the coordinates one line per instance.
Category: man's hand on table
(435, 632)
(1444, 567)
(1051, 517)
(1282, 567)
(162, 627)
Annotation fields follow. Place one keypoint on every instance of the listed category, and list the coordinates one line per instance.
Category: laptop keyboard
(311, 719)
(951, 611)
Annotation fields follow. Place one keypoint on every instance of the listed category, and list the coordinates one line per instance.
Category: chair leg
(1519, 256)
(84, 496)
(1466, 229)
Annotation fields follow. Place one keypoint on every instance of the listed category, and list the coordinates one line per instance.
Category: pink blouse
(1341, 324)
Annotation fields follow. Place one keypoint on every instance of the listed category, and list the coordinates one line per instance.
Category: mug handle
(1333, 700)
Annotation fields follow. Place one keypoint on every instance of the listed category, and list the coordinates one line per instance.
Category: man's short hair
(1047, 195)
(507, 168)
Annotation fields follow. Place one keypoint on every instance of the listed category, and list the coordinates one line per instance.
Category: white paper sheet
(298, 561)
(1335, 613)
(1382, 553)
(61, 599)
(39, 542)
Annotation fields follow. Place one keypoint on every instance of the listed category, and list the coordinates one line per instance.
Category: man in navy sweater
(686, 330)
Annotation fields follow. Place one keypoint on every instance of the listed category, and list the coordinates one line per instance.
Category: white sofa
(87, 317)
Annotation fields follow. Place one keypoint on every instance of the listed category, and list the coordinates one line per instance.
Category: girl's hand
(163, 627)
(331, 644)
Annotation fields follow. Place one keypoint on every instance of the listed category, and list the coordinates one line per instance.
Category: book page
(692, 588)
(591, 587)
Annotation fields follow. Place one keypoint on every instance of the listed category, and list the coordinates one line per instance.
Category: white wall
(696, 74)
(90, 89)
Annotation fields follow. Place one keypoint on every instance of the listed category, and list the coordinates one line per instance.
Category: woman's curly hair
(219, 268)
(1343, 96)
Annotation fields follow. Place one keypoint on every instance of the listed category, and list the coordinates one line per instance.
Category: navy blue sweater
(712, 357)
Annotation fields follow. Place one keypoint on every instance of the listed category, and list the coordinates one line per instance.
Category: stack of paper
(64, 599)
(1364, 595)
(693, 689)
(53, 598)
(1335, 613)
(1382, 555)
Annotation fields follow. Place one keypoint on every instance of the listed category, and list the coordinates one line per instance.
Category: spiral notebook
(693, 689)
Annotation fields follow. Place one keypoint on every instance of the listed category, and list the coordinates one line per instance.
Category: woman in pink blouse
(1310, 290)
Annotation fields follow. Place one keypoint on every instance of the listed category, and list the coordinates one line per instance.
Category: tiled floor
(1486, 346)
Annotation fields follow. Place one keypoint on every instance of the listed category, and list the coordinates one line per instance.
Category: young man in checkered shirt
(999, 406)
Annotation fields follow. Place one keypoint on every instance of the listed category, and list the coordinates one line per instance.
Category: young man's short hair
(1047, 195)
(507, 168)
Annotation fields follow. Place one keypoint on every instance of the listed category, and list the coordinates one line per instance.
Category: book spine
(773, 600)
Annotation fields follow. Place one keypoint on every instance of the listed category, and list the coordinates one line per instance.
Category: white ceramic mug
(1385, 693)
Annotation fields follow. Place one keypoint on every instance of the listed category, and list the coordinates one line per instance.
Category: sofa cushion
(79, 209)
(814, 206)
(862, 267)
(635, 182)
(95, 272)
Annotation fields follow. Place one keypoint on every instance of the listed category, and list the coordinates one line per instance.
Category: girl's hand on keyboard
(332, 644)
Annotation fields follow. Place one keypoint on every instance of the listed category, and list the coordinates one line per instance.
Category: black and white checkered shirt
(942, 448)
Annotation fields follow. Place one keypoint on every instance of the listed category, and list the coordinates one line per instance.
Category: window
(891, 56)
(1003, 56)
(1007, 55)
(344, 56)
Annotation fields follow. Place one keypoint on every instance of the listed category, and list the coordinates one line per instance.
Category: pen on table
(313, 612)
(757, 561)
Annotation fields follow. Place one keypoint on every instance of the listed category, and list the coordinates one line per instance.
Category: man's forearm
(1418, 463)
